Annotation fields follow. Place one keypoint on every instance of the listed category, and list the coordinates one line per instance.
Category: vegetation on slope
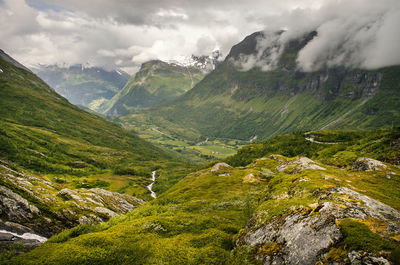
(338, 148)
(230, 103)
(202, 219)
(156, 82)
(42, 132)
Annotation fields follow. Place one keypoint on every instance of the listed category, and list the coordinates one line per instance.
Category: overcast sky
(125, 33)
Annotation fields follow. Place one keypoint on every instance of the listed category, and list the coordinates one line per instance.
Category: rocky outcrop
(221, 170)
(250, 178)
(15, 207)
(34, 206)
(368, 164)
(220, 166)
(305, 235)
(296, 165)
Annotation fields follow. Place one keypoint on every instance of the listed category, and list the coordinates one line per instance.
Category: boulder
(305, 235)
(299, 164)
(15, 207)
(69, 194)
(102, 210)
(220, 166)
(368, 164)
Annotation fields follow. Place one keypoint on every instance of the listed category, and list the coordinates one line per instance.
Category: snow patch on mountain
(205, 63)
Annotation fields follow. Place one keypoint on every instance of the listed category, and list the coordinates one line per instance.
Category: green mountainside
(90, 87)
(230, 103)
(156, 82)
(265, 211)
(52, 151)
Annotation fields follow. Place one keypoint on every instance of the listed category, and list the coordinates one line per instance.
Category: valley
(127, 138)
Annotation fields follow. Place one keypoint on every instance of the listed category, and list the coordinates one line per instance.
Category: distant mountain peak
(83, 84)
(205, 63)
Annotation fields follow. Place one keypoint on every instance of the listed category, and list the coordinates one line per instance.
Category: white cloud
(357, 33)
(125, 33)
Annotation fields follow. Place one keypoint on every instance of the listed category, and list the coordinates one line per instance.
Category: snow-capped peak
(204, 63)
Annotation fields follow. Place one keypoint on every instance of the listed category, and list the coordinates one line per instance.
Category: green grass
(45, 134)
(378, 144)
(241, 104)
(198, 220)
(156, 83)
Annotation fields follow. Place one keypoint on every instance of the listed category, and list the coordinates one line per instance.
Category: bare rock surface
(298, 165)
(220, 166)
(368, 164)
(305, 235)
(22, 195)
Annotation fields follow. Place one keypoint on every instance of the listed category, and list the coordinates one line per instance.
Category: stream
(150, 186)
(25, 236)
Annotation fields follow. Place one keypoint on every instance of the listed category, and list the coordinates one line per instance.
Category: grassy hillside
(222, 215)
(91, 87)
(156, 82)
(338, 148)
(42, 132)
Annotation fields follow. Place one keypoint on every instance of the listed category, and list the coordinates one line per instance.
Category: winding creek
(150, 186)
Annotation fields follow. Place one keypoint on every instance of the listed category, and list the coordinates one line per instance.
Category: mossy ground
(199, 219)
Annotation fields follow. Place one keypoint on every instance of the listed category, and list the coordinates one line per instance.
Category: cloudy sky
(125, 33)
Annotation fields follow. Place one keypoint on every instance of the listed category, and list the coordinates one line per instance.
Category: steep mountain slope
(233, 103)
(156, 82)
(61, 166)
(91, 87)
(267, 212)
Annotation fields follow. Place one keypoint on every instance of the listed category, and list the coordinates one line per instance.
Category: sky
(125, 33)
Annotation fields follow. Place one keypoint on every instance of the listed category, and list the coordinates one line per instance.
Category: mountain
(90, 87)
(274, 210)
(205, 63)
(232, 102)
(61, 166)
(156, 82)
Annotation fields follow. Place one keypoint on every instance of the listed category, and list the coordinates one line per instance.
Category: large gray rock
(16, 207)
(220, 166)
(70, 194)
(305, 235)
(302, 163)
(105, 211)
(368, 164)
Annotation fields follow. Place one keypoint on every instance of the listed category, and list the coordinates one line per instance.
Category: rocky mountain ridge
(235, 103)
(156, 82)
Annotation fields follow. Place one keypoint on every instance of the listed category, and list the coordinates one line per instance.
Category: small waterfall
(150, 186)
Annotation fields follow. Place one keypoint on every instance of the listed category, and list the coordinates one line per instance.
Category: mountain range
(52, 152)
(78, 189)
(82, 85)
(156, 82)
(242, 104)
